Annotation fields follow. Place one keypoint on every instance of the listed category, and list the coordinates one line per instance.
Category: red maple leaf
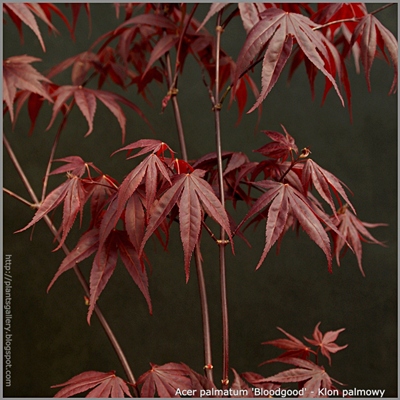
(275, 34)
(192, 194)
(280, 148)
(370, 33)
(105, 384)
(325, 341)
(18, 74)
(312, 376)
(86, 102)
(164, 380)
(150, 171)
(287, 201)
(73, 194)
(75, 165)
(354, 232)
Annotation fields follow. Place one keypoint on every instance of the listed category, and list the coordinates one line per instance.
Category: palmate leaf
(275, 34)
(325, 341)
(86, 102)
(281, 146)
(314, 376)
(287, 201)
(353, 231)
(192, 194)
(164, 380)
(150, 171)
(370, 33)
(104, 384)
(75, 165)
(19, 74)
(73, 194)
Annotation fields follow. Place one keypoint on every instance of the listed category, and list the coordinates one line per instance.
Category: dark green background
(51, 339)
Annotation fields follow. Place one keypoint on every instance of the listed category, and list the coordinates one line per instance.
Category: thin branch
(233, 14)
(21, 199)
(208, 367)
(209, 231)
(222, 241)
(81, 278)
(382, 8)
(338, 21)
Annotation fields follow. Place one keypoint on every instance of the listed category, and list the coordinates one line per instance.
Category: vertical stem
(208, 366)
(81, 278)
(222, 241)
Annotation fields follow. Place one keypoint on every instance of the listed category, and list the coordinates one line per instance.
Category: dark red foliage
(287, 189)
(192, 194)
(325, 342)
(370, 33)
(19, 74)
(275, 34)
(104, 384)
(85, 99)
(353, 231)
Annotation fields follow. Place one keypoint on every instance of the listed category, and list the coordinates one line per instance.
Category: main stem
(81, 278)
(222, 241)
(208, 366)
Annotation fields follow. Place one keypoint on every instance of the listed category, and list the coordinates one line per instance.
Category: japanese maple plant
(165, 187)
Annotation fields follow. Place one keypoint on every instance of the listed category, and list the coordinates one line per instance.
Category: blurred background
(51, 340)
